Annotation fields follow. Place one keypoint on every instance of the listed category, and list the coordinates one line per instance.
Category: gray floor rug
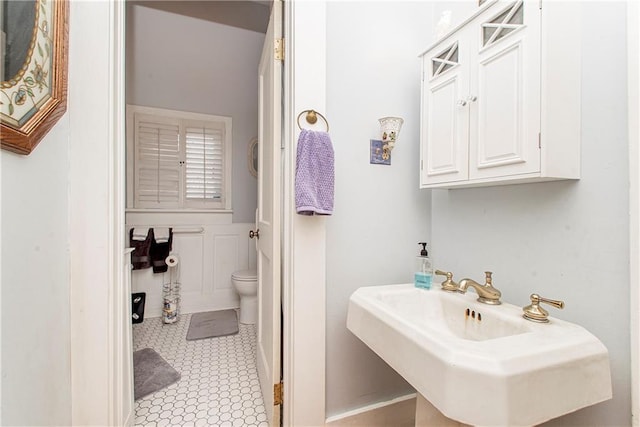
(212, 324)
(151, 373)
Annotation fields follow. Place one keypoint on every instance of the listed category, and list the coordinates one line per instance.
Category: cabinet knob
(255, 234)
(472, 98)
(462, 103)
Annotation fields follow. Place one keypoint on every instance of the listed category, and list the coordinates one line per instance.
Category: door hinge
(277, 394)
(539, 140)
(279, 49)
(540, 4)
(421, 164)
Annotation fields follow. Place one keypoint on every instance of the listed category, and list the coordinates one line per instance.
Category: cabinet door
(505, 92)
(445, 115)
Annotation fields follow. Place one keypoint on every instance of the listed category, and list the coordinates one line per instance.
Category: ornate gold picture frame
(34, 98)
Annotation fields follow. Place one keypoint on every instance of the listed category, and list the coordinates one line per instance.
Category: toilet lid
(245, 275)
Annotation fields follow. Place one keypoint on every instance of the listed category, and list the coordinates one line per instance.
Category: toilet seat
(245, 276)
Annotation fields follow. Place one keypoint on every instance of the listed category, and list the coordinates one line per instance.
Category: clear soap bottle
(424, 270)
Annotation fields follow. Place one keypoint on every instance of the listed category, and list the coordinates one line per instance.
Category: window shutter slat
(158, 162)
(204, 163)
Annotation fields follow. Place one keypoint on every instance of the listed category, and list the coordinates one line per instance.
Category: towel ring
(312, 118)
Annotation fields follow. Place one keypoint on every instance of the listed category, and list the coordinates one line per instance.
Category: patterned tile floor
(219, 384)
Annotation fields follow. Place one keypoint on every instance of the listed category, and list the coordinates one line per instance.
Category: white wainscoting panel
(227, 255)
(208, 252)
(190, 250)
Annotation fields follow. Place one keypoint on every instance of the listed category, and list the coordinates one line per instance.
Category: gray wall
(36, 365)
(182, 63)
(565, 240)
(380, 215)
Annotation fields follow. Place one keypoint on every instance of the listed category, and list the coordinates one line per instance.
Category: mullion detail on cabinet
(445, 60)
(506, 22)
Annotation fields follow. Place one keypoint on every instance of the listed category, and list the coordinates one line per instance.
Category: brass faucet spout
(486, 293)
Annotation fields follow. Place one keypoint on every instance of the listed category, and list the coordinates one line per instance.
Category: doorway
(206, 63)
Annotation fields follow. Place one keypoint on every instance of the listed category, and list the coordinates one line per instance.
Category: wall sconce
(390, 129)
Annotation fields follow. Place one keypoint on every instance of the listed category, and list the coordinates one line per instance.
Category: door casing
(304, 238)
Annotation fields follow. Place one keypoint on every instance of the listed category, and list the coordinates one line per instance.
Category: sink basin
(480, 364)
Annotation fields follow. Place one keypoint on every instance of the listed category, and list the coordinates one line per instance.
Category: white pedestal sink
(479, 364)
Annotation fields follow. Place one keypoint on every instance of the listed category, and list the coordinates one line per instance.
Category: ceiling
(249, 15)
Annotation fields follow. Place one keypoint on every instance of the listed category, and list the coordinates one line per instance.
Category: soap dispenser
(424, 270)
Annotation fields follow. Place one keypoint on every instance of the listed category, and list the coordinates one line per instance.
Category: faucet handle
(487, 277)
(536, 313)
(449, 284)
(444, 273)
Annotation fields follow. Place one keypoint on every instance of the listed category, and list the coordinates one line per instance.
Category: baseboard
(157, 312)
(193, 304)
(398, 412)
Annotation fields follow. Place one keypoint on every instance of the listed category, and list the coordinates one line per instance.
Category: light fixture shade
(390, 129)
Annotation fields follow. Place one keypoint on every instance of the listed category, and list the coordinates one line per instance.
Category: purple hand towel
(314, 173)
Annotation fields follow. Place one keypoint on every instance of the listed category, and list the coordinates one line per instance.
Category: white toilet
(246, 284)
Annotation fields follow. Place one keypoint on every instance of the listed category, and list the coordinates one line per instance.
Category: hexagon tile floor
(219, 384)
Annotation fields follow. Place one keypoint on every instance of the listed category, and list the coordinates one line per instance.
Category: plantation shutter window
(158, 162)
(179, 160)
(204, 175)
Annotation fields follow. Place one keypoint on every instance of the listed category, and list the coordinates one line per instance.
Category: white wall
(188, 64)
(565, 240)
(36, 377)
(380, 215)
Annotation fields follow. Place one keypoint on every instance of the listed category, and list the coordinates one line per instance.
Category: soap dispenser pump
(424, 271)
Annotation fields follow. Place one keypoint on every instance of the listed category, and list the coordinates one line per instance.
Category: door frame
(633, 55)
(96, 221)
(304, 237)
(123, 403)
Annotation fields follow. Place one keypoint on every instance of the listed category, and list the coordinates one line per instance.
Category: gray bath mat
(151, 373)
(212, 324)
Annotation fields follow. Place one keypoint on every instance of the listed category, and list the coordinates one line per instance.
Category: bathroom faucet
(486, 293)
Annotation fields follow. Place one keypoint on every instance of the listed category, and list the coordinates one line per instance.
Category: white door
(268, 221)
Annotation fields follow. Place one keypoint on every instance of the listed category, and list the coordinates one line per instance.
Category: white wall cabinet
(209, 248)
(501, 98)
